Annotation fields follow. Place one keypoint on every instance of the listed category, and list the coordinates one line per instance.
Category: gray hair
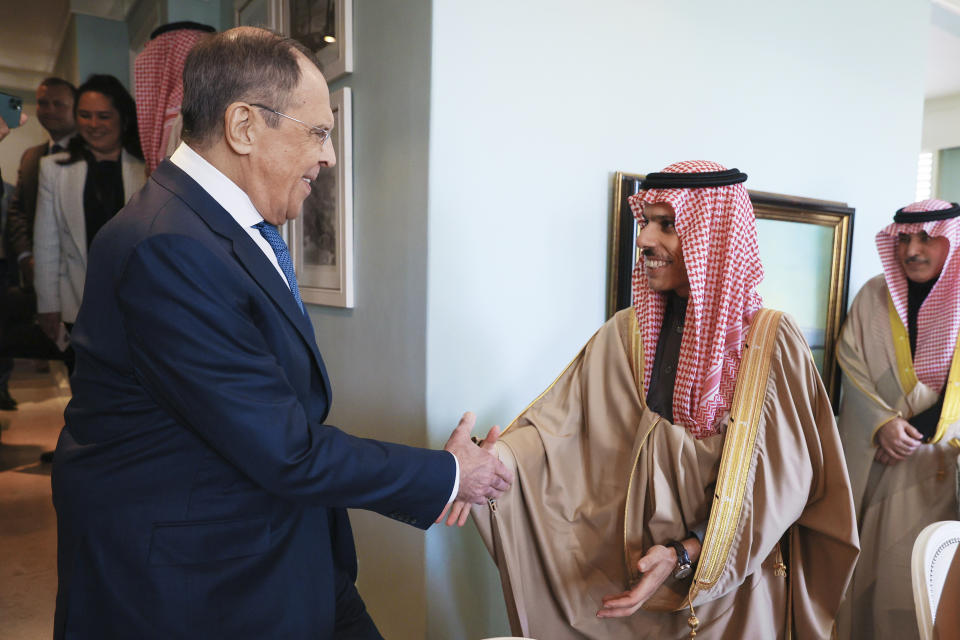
(243, 64)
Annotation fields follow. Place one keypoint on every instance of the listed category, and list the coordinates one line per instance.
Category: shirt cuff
(699, 531)
(456, 480)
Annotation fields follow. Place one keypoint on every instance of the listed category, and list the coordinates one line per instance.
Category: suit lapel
(133, 174)
(247, 252)
(74, 181)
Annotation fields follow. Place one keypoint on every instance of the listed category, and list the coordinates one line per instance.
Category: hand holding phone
(11, 110)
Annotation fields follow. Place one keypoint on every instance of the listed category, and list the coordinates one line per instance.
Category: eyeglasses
(321, 133)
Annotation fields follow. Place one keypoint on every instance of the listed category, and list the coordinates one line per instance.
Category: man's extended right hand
(896, 440)
(482, 475)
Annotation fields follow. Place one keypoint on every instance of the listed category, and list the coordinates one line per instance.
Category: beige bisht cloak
(893, 503)
(600, 478)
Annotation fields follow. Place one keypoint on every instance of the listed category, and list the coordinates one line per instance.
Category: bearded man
(900, 415)
(684, 473)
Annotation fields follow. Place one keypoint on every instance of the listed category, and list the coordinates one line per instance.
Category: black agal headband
(692, 180)
(927, 216)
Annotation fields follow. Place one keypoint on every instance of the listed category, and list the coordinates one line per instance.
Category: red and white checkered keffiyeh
(938, 320)
(718, 237)
(158, 76)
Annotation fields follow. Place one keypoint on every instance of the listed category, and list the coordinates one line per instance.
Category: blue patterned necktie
(272, 236)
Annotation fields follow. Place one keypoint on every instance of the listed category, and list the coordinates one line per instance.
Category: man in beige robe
(899, 419)
(631, 463)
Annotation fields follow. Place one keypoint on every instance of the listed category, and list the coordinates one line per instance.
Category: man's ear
(240, 128)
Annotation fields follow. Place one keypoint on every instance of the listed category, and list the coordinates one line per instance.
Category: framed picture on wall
(326, 28)
(805, 250)
(321, 238)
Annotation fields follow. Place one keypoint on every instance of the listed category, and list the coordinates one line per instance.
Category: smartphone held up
(10, 109)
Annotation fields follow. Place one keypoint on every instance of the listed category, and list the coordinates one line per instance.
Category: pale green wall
(375, 353)
(102, 47)
(941, 134)
(210, 12)
(948, 178)
(146, 15)
(535, 104)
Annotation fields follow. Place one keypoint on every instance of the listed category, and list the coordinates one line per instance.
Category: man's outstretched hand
(655, 567)
(482, 475)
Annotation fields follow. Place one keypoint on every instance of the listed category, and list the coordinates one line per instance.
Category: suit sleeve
(18, 220)
(46, 244)
(197, 349)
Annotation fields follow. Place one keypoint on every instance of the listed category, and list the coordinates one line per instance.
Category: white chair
(932, 554)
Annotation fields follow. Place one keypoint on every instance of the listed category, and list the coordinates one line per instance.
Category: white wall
(375, 353)
(534, 105)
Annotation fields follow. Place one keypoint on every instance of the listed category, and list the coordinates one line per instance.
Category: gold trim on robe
(739, 442)
(908, 377)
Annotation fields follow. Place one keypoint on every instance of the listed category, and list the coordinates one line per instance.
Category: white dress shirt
(231, 197)
(237, 203)
(63, 142)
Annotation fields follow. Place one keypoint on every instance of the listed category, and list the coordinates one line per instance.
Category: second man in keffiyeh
(900, 416)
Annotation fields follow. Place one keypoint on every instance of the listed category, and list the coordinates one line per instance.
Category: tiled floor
(28, 533)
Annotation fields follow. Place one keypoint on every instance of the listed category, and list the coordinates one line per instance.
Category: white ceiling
(31, 32)
(30, 35)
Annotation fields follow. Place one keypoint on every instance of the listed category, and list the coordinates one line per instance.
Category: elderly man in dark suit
(199, 493)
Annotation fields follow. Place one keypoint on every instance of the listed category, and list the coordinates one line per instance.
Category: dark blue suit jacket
(198, 492)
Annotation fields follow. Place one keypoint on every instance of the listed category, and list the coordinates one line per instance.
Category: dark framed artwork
(326, 28)
(321, 238)
(805, 249)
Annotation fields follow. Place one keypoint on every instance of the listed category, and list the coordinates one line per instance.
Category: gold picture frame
(805, 248)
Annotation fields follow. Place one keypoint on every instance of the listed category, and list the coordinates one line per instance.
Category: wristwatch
(683, 561)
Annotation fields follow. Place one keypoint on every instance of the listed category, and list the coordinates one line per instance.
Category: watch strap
(683, 559)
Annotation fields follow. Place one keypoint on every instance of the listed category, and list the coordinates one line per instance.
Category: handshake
(482, 476)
